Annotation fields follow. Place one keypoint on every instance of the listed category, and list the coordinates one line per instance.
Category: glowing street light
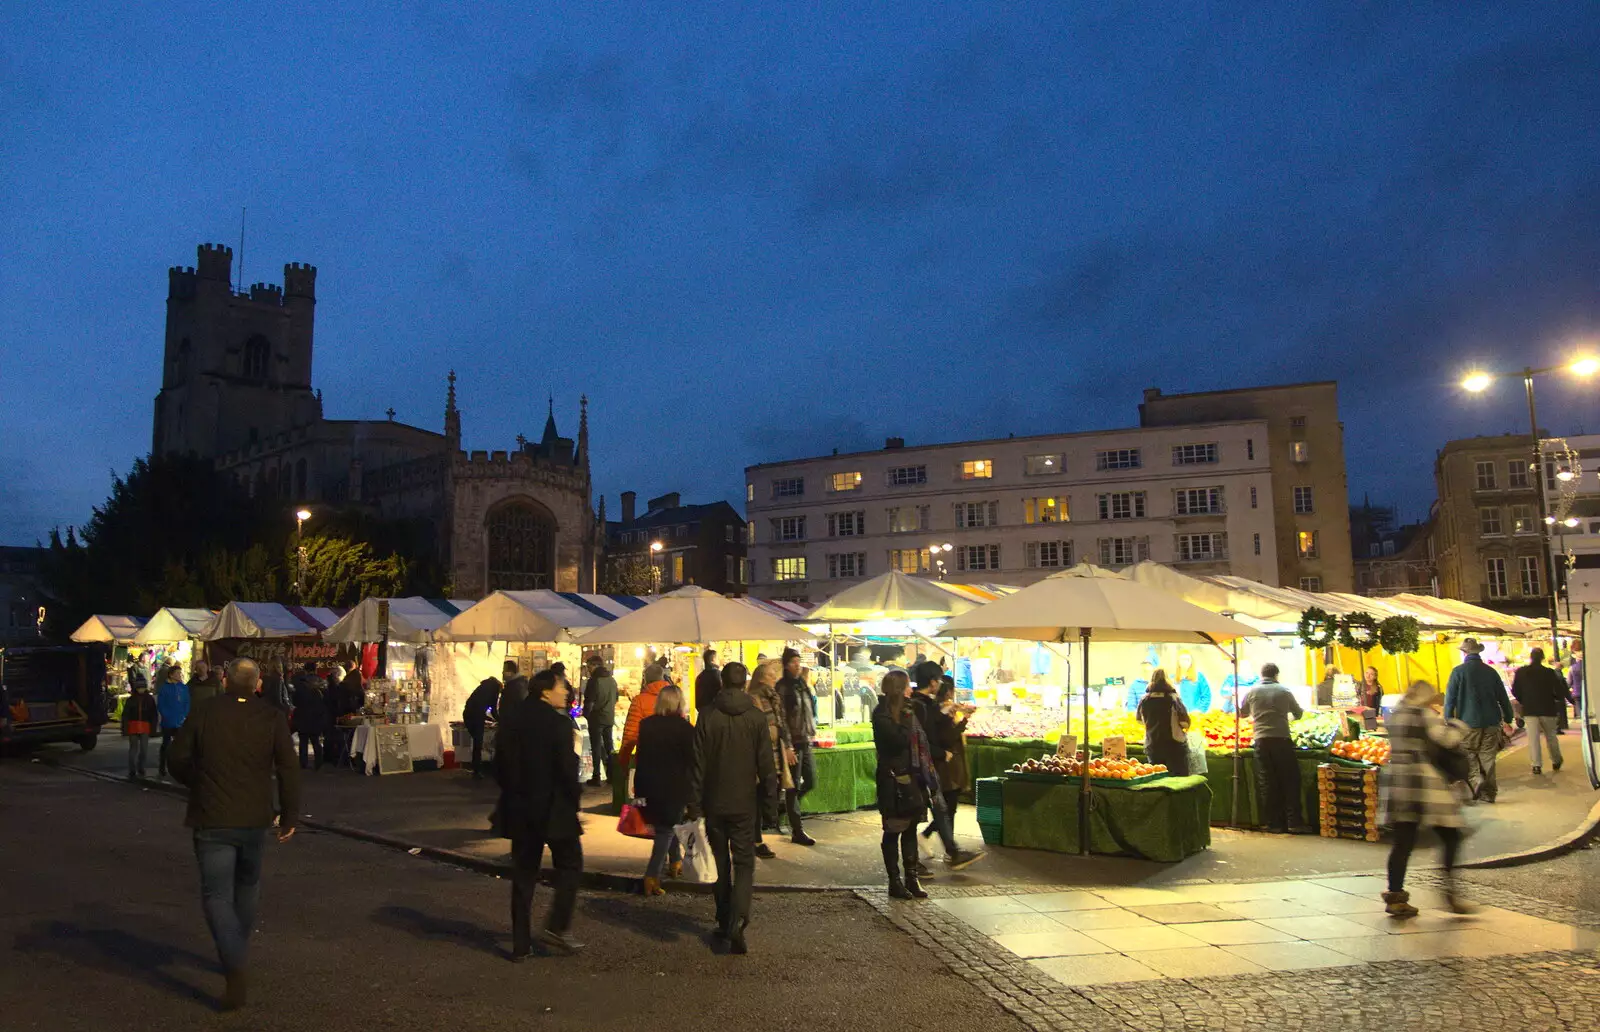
(1586, 366)
(1477, 383)
(655, 564)
(1570, 522)
(300, 517)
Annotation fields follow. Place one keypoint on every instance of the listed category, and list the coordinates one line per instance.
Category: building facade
(1015, 510)
(236, 387)
(1572, 493)
(21, 593)
(699, 544)
(1487, 536)
(1305, 448)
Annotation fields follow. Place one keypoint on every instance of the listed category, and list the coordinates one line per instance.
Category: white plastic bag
(697, 863)
(1196, 747)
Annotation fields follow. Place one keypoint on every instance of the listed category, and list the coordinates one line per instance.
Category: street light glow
(1565, 474)
(1586, 366)
(655, 546)
(1570, 521)
(302, 515)
(1476, 382)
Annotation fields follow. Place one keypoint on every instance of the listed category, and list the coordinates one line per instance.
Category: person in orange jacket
(643, 705)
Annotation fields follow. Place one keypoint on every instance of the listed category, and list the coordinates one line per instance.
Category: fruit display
(1218, 731)
(1105, 723)
(994, 722)
(1347, 802)
(1108, 770)
(1367, 749)
(1315, 730)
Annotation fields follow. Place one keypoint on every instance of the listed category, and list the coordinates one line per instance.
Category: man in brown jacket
(227, 752)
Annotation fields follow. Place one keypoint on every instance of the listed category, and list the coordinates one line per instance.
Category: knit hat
(789, 654)
(652, 673)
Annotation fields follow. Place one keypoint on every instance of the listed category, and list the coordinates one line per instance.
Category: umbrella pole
(1086, 799)
(1238, 760)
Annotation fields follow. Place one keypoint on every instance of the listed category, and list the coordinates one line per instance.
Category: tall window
(1495, 580)
(1124, 551)
(977, 557)
(1122, 505)
(1043, 465)
(1300, 451)
(744, 571)
(257, 353)
(1516, 474)
(789, 528)
(977, 469)
(1303, 501)
(847, 565)
(1197, 501)
(904, 476)
(789, 487)
(1193, 454)
(1047, 554)
(1117, 458)
(1250, 448)
(844, 481)
(1523, 520)
(1310, 583)
(1489, 521)
(1044, 510)
(1252, 498)
(1528, 569)
(749, 492)
(521, 539)
(789, 567)
(907, 519)
(977, 514)
(1258, 544)
(1485, 471)
(750, 532)
(677, 568)
(847, 524)
(1306, 544)
(1202, 547)
(910, 560)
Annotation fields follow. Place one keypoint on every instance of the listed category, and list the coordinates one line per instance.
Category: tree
(628, 574)
(341, 572)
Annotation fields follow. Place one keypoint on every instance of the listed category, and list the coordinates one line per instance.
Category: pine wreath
(1358, 631)
(1317, 627)
(1399, 634)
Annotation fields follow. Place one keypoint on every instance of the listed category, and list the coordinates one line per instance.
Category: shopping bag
(698, 865)
(633, 824)
(1197, 753)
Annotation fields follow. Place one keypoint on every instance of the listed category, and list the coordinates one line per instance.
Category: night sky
(762, 231)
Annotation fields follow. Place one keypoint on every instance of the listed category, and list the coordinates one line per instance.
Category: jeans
(805, 777)
(666, 848)
(1405, 839)
(601, 750)
(942, 821)
(338, 747)
(566, 858)
(1278, 777)
(137, 747)
(314, 743)
(1542, 730)
(476, 731)
(230, 887)
(952, 800)
(733, 839)
(1483, 747)
(167, 735)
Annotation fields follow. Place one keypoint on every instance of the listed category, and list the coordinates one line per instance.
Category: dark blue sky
(762, 231)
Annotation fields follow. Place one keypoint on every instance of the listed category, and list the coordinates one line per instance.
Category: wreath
(1317, 627)
(1358, 631)
(1399, 634)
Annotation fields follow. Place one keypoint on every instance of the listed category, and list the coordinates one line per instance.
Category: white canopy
(269, 620)
(891, 596)
(542, 615)
(170, 626)
(412, 620)
(1095, 602)
(117, 629)
(694, 614)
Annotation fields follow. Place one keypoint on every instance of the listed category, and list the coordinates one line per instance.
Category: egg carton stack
(1348, 802)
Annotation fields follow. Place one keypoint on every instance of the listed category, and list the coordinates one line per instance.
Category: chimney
(670, 500)
(628, 498)
(894, 442)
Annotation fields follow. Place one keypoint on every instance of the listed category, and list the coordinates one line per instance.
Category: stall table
(425, 742)
(1219, 775)
(1165, 819)
(991, 757)
(846, 780)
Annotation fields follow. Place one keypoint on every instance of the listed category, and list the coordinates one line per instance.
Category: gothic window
(521, 541)
(256, 353)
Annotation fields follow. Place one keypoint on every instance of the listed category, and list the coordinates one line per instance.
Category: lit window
(1043, 465)
(1117, 458)
(1193, 454)
(1048, 554)
(1044, 510)
(1302, 501)
(1122, 505)
(906, 519)
(1523, 520)
(977, 469)
(749, 492)
(789, 487)
(1306, 541)
(1310, 583)
(902, 476)
(844, 481)
(1198, 501)
(1489, 521)
(977, 514)
(847, 565)
(789, 568)
(677, 569)
(1528, 568)
(847, 524)
(789, 528)
(1485, 471)
(1202, 547)
(977, 557)
(750, 533)
(910, 560)
(1300, 451)
(1495, 585)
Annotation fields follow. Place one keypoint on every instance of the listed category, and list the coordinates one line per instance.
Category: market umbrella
(892, 596)
(1092, 602)
(109, 628)
(693, 614)
(172, 625)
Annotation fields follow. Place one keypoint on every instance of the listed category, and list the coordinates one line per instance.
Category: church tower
(236, 367)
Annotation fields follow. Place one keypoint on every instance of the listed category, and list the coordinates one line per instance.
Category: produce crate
(1056, 779)
(1352, 764)
(989, 793)
(1347, 799)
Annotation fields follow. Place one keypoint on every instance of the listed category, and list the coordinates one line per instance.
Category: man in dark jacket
(924, 703)
(310, 712)
(709, 681)
(515, 690)
(1543, 696)
(335, 701)
(1477, 697)
(800, 716)
(539, 798)
(733, 770)
(228, 751)
(205, 683)
(600, 710)
(475, 715)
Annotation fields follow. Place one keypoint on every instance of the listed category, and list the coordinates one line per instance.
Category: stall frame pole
(1087, 798)
(1238, 758)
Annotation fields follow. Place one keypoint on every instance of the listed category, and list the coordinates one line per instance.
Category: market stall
(394, 635)
(272, 633)
(1165, 819)
(172, 636)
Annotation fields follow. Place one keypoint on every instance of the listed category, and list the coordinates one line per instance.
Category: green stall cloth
(1163, 820)
(1219, 773)
(850, 734)
(991, 757)
(845, 779)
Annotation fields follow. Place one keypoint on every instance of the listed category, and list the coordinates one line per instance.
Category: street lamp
(1479, 381)
(300, 517)
(934, 551)
(655, 564)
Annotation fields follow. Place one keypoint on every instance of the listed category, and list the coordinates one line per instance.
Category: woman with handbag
(905, 771)
(1166, 725)
(661, 781)
(763, 688)
(140, 718)
(1416, 789)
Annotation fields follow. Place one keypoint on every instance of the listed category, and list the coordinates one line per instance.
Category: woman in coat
(139, 720)
(1166, 725)
(1413, 793)
(905, 776)
(763, 688)
(172, 703)
(1371, 690)
(661, 779)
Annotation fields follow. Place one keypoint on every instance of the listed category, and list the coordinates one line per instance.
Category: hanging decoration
(1318, 627)
(1399, 634)
(1358, 631)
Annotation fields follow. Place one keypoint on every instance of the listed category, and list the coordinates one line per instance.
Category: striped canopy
(541, 615)
(270, 620)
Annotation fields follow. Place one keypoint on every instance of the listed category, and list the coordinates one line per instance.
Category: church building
(236, 389)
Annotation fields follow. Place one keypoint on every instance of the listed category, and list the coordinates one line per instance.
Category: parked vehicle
(52, 694)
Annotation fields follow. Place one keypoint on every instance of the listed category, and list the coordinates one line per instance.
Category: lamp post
(1561, 543)
(655, 564)
(1477, 382)
(300, 517)
(934, 551)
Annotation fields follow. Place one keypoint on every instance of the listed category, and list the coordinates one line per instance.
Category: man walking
(733, 770)
(539, 799)
(600, 711)
(475, 715)
(310, 712)
(709, 683)
(228, 751)
(924, 703)
(515, 690)
(800, 714)
(1542, 696)
(204, 683)
(1269, 707)
(1477, 697)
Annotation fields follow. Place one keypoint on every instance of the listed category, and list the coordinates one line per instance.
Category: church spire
(583, 432)
(548, 440)
(452, 417)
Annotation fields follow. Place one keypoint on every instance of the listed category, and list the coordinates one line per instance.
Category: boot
(891, 864)
(913, 887)
(1399, 905)
(233, 997)
(1454, 903)
(675, 869)
(652, 886)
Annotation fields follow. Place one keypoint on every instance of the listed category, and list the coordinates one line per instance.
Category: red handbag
(633, 824)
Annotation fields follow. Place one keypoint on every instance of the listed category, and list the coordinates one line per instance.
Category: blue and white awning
(542, 616)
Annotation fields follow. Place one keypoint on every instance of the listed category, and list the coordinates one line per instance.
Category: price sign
(1067, 748)
(1114, 747)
